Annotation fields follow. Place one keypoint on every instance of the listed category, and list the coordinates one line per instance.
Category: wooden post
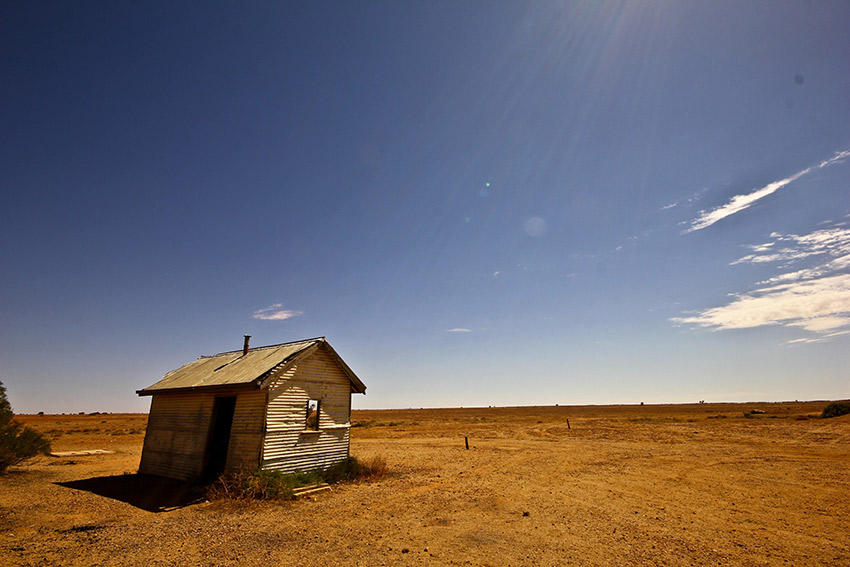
(466, 440)
(568, 424)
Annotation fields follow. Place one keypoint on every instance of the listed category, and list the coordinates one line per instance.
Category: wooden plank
(81, 453)
(311, 489)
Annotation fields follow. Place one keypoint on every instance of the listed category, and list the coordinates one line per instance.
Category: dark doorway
(222, 420)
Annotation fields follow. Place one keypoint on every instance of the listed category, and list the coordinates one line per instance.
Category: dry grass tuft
(275, 485)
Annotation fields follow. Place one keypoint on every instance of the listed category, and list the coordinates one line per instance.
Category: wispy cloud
(815, 297)
(829, 247)
(459, 330)
(696, 196)
(739, 203)
(275, 313)
(817, 339)
(818, 306)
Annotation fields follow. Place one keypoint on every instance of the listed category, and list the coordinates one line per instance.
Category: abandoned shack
(284, 407)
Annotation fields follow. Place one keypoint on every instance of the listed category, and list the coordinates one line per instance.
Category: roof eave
(357, 387)
(212, 388)
(267, 378)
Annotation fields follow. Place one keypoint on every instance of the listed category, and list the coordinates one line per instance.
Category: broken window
(313, 415)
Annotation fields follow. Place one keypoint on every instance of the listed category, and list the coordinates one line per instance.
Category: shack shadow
(150, 493)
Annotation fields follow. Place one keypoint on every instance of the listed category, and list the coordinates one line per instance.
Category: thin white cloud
(740, 202)
(815, 298)
(275, 313)
(459, 330)
(820, 339)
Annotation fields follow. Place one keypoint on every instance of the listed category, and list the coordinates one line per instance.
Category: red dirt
(627, 485)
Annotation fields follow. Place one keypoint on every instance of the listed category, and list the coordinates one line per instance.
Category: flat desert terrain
(610, 485)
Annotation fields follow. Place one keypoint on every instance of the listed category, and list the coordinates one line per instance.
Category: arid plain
(700, 484)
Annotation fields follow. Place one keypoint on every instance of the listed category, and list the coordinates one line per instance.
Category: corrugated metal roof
(231, 368)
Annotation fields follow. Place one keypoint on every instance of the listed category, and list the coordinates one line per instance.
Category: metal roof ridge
(322, 339)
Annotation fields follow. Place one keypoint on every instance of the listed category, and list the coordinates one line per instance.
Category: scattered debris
(81, 453)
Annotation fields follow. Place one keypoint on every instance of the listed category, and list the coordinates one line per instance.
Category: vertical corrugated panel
(246, 433)
(288, 446)
(176, 436)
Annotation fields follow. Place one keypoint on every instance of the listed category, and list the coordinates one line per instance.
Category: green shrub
(17, 442)
(836, 409)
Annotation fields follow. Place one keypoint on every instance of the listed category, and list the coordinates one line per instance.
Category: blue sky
(478, 203)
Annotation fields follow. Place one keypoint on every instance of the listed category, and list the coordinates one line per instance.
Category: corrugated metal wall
(179, 425)
(176, 436)
(288, 446)
(246, 434)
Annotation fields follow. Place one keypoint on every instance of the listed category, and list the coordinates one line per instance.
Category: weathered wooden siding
(288, 446)
(246, 434)
(176, 436)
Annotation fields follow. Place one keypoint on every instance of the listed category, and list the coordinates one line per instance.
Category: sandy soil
(622, 485)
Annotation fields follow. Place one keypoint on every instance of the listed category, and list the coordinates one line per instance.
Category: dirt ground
(610, 485)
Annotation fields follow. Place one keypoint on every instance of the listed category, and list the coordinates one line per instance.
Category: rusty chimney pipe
(245, 346)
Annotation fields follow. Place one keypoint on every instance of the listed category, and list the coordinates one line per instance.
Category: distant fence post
(466, 440)
(568, 424)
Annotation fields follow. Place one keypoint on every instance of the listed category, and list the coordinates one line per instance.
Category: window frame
(308, 414)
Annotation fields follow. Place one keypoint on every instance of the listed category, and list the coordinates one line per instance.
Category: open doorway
(219, 438)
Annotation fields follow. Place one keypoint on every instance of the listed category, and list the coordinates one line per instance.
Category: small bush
(256, 485)
(352, 470)
(275, 485)
(806, 417)
(17, 442)
(836, 409)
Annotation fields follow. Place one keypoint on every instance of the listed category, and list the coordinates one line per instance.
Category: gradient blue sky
(477, 202)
